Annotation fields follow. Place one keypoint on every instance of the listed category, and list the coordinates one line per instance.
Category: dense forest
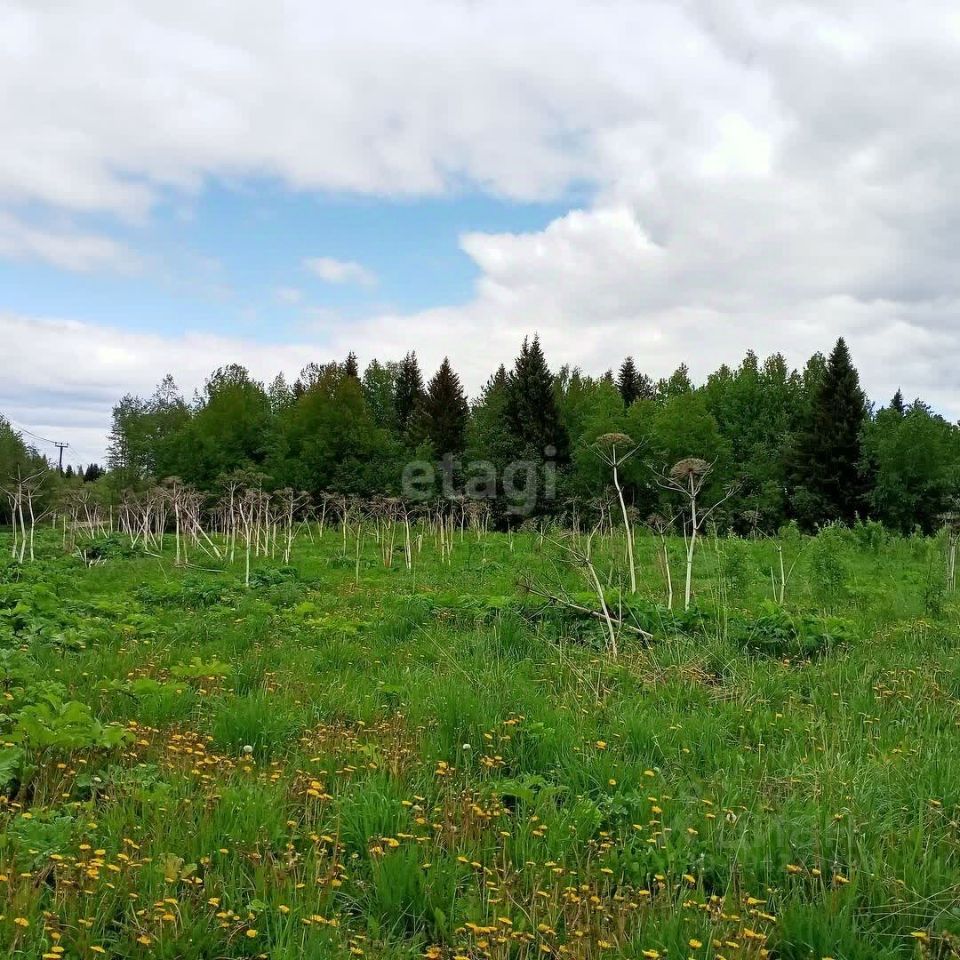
(802, 445)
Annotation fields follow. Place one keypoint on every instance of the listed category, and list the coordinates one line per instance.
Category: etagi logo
(521, 483)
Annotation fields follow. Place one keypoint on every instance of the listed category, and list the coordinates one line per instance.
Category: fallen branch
(596, 614)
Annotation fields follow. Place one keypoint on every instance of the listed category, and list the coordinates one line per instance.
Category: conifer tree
(627, 382)
(350, 366)
(897, 404)
(490, 437)
(408, 392)
(634, 385)
(828, 483)
(532, 413)
(444, 411)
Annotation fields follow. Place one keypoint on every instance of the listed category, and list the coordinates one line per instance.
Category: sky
(189, 184)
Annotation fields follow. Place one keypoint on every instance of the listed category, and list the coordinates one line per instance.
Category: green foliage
(827, 478)
(828, 571)
(408, 394)
(531, 407)
(190, 591)
(801, 444)
(433, 749)
(36, 839)
(328, 440)
(54, 725)
(443, 412)
(777, 633)
(197, 669)
(17, 459)
(913, 459)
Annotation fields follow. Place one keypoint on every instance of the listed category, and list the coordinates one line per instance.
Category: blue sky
(233, 260)
(679, 182)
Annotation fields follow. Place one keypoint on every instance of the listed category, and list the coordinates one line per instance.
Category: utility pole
(61, 447)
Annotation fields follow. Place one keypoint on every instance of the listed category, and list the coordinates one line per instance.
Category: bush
(782, 635)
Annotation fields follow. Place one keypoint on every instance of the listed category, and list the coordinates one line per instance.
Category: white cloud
(332, 270)
(46, 389)
(595, 288)
(66, 247)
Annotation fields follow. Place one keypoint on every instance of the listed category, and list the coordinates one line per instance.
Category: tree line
(803, 445)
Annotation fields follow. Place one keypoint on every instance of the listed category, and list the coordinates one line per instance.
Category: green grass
(442, 766)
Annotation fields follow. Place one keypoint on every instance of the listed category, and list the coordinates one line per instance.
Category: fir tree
(627, 382)
(408, 392)
(897, 404)
(826, 468)
(489, 433)
(350, 366)
(444, 411)
(532, 414)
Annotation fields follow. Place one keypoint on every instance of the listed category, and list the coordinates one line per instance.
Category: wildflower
(251, 933)
(694, 943)
(21, 922)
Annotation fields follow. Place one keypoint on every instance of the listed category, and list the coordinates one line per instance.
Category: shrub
(782, 635)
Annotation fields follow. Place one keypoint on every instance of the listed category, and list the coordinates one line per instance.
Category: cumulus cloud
(332, 270)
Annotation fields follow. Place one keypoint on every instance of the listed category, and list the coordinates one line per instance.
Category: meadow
(345, 757)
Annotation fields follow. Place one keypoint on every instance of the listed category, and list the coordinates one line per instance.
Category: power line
(30, 433)
(36, 436)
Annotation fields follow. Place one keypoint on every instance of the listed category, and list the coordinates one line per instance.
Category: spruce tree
(828, 483)
(627, 382)
(350, 366)
(897, 404)
(444, 412)
(532, 414)
(408, 392)
(489, 433)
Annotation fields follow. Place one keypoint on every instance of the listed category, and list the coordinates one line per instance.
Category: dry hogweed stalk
(688, 477)
(615, 449)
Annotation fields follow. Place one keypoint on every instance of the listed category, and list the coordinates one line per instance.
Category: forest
(804, 445)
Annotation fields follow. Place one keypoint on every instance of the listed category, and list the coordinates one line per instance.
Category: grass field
(348, 759)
